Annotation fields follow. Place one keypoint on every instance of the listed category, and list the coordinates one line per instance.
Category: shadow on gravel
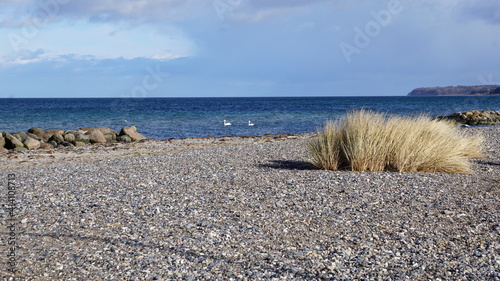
(488, 163)
(289, 165)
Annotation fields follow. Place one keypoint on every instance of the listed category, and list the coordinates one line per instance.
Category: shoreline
(15, 160)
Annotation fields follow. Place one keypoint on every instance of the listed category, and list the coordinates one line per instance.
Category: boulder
(69, 137)
(78, 143)
(11, 142)
(96, 136)
(60, 132)
(67, 144)
(45, 145)
(20, 136)
(104, 130)
(53, 143)
(20, 148)
(33, 136)
(81, 137)
(2, 142)
(58, 138)
(42, 134)
(31, 143)
(124, 139)
(132, 133)
(3, 150)
(110, 137)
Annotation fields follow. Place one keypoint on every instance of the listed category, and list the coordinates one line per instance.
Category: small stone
(280, 204)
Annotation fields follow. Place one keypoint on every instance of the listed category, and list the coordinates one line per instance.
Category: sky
(240, 48)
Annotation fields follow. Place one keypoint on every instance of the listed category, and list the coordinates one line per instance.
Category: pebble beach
(244, 208)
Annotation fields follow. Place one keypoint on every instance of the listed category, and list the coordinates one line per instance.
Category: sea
(164, 118)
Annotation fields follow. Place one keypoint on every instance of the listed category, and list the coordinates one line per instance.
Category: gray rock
(110, 137)
(11, 142)
(16, 136)
(33, 136)
(78, 143)
(53, 143)
(124, 138)
(42, 134)
(58, 138)
(80, 137)
(20, 136)
(132, 133)
(96, 136)
(104, 130)
(67, 144)
(2, 142)
(31, 143)
(69, 137)
(60, 132)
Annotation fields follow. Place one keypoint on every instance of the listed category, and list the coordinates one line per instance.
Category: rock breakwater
(474, 117)
(36, 138)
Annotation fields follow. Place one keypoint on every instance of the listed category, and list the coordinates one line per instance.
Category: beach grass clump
(369, 141)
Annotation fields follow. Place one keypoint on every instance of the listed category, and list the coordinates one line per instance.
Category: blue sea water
(163, 118)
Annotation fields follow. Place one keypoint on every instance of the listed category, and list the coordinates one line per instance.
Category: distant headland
(482, 90)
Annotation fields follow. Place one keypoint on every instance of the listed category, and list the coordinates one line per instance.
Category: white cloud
(103, 41)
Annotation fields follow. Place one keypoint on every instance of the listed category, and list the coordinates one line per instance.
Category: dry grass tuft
(369, 141)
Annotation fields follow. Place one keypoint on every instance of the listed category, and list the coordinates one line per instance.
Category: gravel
(253, 212)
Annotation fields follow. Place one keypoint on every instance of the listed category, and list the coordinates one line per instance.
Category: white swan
(227, 123)
(250, 123)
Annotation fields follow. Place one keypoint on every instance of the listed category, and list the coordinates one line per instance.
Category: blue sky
(198, 48)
